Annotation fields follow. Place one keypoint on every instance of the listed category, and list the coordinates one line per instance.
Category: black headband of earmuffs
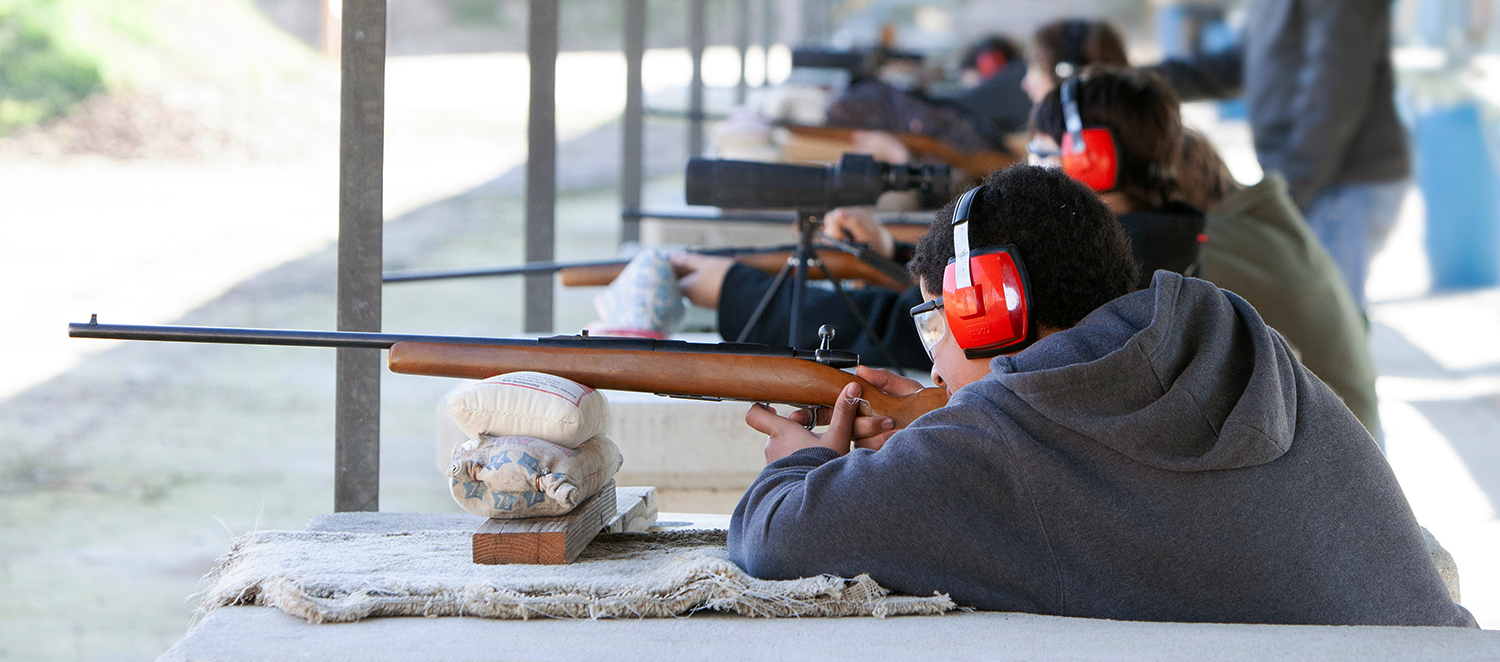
(1070, 58)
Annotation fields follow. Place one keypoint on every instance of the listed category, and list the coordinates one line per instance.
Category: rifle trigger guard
(812, 417)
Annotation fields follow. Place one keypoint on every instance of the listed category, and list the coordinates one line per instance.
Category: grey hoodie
(1166, 459)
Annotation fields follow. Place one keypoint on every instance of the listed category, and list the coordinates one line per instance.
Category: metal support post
(633, 149)
(361, 158)
(815, 22)
(742, 42)
(767, 37)
(541, 161)
(697, 41)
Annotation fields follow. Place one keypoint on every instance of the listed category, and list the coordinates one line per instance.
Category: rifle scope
(858, 179)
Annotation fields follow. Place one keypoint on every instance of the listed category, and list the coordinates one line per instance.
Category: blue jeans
(1353, 221)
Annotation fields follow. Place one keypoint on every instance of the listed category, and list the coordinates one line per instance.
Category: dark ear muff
(986, 294)
(1088, 155)
(1070, 57)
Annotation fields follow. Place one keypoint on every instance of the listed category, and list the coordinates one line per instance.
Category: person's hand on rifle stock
(846, 425)
(701, 277)
(882, 145)
(857, 225)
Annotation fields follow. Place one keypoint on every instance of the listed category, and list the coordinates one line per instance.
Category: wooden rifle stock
(783, 380)
(842, 265)
(907, 233)
(977, 164)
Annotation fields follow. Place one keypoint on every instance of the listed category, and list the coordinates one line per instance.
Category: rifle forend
(673, 368)
(831, 262)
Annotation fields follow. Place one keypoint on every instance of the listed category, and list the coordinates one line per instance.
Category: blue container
(1457, 177)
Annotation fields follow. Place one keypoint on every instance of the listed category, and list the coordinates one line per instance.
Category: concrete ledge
(248, 634)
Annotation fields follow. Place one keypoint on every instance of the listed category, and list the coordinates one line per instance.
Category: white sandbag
(513, 477)
(448, 435)
(531, 404)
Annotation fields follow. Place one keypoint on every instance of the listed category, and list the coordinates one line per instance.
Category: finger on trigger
(763, 419)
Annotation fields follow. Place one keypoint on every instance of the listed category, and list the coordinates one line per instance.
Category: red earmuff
(986, 294)
(1088, 155)
(989, 63)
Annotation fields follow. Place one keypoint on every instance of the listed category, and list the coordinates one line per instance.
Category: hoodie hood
(1181, 376)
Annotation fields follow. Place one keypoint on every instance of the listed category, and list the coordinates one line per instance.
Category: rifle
(977, 164)
(831, 264)
(907, 227)
(671, 368)
(853, 262)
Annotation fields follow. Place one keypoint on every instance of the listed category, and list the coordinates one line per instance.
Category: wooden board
(635, 510)
(545, 540)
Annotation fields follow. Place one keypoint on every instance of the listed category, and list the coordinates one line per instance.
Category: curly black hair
(1141, 110)
(1076, 254)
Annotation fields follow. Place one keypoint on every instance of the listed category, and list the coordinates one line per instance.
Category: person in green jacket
(1260, 248)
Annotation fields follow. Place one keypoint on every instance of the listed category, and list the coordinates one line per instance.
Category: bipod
(804, 259)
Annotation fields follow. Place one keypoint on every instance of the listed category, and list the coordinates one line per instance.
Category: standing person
(1318, 79)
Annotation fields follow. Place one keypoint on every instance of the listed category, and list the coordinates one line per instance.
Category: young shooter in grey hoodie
(1156, 455)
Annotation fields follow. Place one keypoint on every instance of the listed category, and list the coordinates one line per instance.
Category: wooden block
(545, 540)
(635, 510)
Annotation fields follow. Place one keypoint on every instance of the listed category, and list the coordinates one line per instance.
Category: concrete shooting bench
(253, 634)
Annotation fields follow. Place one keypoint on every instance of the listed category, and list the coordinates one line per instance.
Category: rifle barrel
(529, 268)
(364, 340)
(549, 267)
(286, 337)
(733, 216)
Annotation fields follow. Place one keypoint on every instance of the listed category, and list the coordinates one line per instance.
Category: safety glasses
(931, 327)
(1039, 153)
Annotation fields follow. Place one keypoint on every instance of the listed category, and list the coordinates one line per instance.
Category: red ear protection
(989, 63)
(986, 294)
(1088, 155)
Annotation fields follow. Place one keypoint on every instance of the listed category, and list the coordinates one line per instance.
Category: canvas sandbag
(531, 404)
(512, 477)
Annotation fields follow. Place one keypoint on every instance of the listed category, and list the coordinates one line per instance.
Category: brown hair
(1141, 111)
(1078, 42)
(1202, 178)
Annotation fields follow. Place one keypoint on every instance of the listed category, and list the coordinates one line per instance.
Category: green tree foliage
(39, 79)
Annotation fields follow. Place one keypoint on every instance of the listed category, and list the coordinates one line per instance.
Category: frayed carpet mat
(343, 577)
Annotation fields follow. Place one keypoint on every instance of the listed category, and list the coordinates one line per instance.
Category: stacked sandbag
(536, 446)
